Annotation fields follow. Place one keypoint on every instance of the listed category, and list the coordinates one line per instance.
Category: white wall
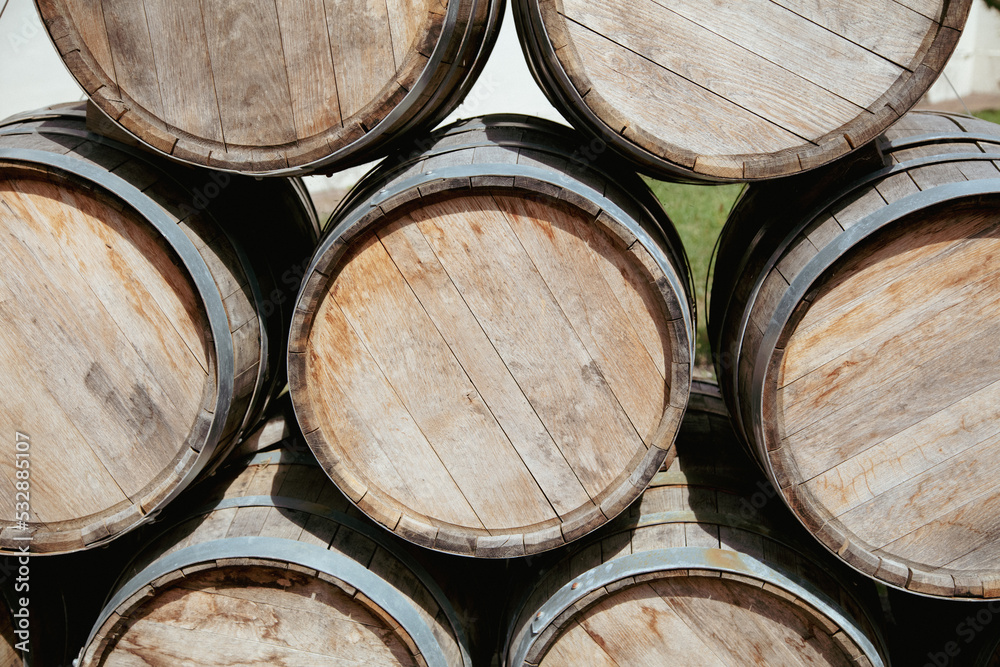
(31, 73)
(974, 68)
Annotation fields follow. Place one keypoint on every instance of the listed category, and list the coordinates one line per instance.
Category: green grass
(698, 212)
(992, 115)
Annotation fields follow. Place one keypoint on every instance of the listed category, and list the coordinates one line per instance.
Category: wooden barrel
(266, 565)
(746, 90)
(491, 351)
(853, 320)
(706, 569)
(273, 87)
(142, 334)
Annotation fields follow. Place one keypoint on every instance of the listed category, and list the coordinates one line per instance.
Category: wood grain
(184, 71)
(715, 64)
(253, 110)
(84, 268)
(641, 89)
(361, 40)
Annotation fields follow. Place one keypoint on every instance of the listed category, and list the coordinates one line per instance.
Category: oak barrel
(145, 324)
(273, 87)
(854, 323)
(732, 91)
(491, 351)
(267, 564)
(707, 568)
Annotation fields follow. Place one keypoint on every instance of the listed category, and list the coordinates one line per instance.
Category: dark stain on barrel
(137, 411)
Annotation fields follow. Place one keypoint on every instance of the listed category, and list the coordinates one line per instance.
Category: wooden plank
(147, 291)
(880, 285)
(808, 49)
(116, 400)
(87, 17)
(31, 408)
(962, 539)
(183, 68)
(212, 526)
(869, 367)
(250, 78)
(576, 647)
(643, 92)
(361, 44)
(441, 300)
(570, 256)
(888, 28)
(948, 377)
(346, 424)
(406, 19)
(525, 324)
(637, 628)
(312, 80)
(785, 635)
(132, 54)
(340, 358)
(959, 427)
(707, 60)
(436, 391)
(921, 501)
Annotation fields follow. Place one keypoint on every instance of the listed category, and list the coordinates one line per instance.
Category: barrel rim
(200, 275)
(550, 73)
(439, 535)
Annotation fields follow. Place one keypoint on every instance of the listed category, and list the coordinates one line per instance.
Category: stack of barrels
(489, 348)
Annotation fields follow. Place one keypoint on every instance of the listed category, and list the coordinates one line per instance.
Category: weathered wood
(709, 614)
(110, 364)
(499, 369)
(741, 91)
(878, 414)
(271, 611)
(273, 87)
